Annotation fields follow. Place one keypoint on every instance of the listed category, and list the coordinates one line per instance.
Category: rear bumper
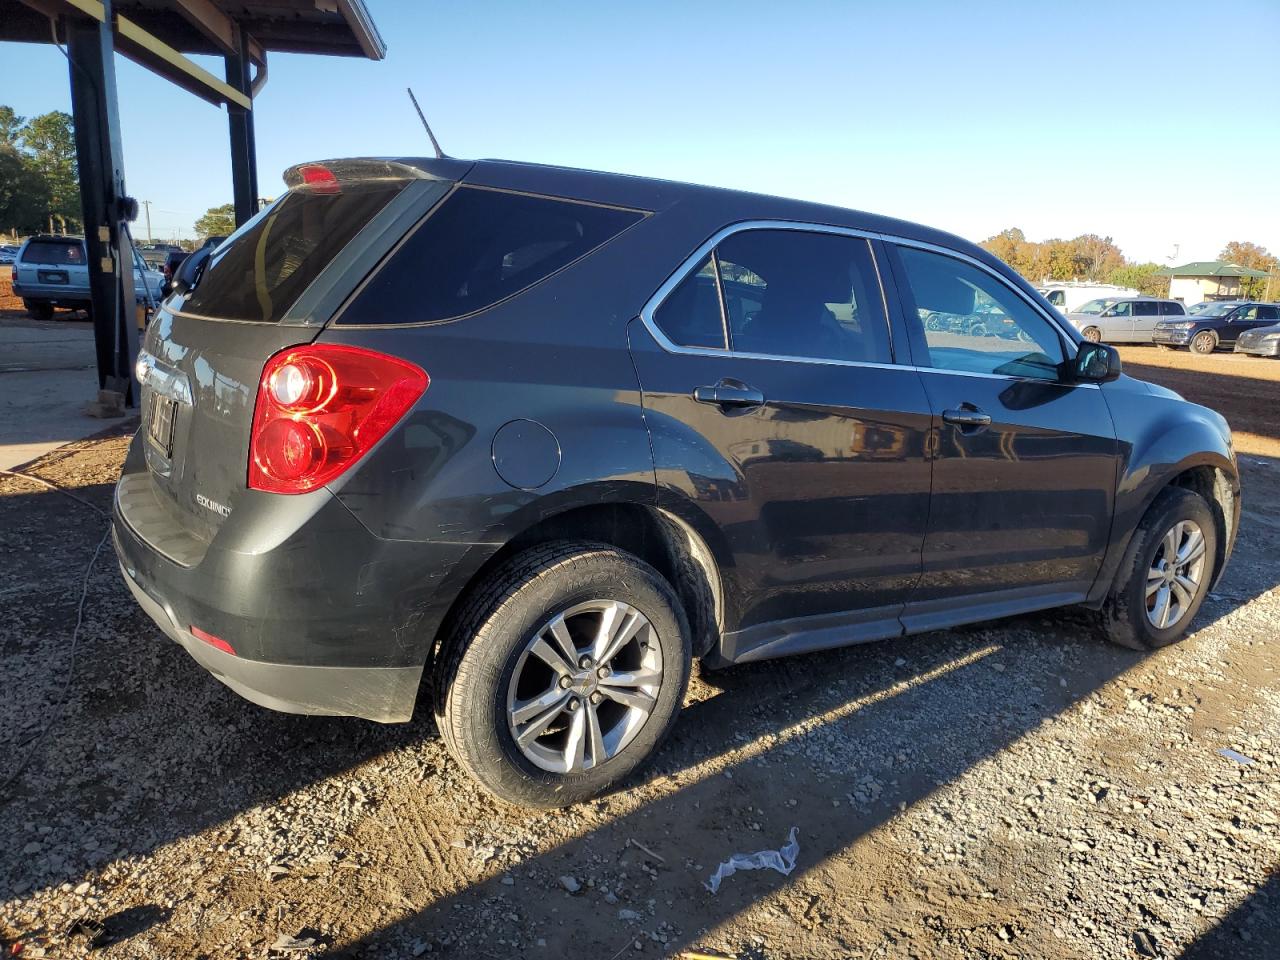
(55, 294)
(327, 620)
(384, 694)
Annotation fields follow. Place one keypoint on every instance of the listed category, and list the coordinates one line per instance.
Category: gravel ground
(1017, 789)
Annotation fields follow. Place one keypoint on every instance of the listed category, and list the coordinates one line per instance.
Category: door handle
(967, 417)
(730, 394)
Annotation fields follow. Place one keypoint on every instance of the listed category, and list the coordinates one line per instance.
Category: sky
(1157, 124)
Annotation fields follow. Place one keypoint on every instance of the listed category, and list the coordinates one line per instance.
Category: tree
(50, 140)
(217, 221)
(24, 195)
(10, 128)
(1141, 277)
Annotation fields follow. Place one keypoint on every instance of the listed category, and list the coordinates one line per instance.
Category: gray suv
(1125, 320)
(53, 271)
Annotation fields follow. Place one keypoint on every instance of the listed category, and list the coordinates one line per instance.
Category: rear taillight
(320, 408)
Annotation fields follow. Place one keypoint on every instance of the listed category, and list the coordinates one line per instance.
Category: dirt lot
(1010, 790)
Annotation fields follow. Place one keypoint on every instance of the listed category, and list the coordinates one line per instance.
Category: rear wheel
(1204, 342)
(1165, 573)
(39, 309)
(1092, 334)
(563, 673)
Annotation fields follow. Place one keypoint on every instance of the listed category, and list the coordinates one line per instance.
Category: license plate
(160, 423)
(53, 276)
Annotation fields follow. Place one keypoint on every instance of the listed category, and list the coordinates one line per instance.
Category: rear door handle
(967, 416)
(730, 394)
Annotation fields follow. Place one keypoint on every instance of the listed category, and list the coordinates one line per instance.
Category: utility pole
(146, 204)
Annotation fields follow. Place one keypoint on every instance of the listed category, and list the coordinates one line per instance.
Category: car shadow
(1249, 932)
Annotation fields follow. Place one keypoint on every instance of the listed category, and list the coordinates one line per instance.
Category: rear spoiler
(321, 173)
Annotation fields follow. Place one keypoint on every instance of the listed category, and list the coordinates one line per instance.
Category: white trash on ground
(783, 860)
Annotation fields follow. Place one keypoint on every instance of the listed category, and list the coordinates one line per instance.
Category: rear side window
(58, 252)
(1145, 308)
(1172, 309)
(479, 247)
(274, 257)
(1267, 312)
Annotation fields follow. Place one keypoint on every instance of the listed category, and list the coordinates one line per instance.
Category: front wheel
(563, 673)
(1204, 343)
(1092, 334)
(1165, 573)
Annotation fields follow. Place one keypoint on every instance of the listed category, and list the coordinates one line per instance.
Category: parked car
(155, 254)
(545, 435)
(1216, 326)
(1127, 320)
(1200, 307)
(1260, 341)
(1069, 296)
(52, 271)
(8, 254)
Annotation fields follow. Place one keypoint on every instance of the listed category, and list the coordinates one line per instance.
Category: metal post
(101, 165)
(244, 161)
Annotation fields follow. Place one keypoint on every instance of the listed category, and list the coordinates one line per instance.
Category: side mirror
(1109, 312)
(1095, 363)
(184, 277)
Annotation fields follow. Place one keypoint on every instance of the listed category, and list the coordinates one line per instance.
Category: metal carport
(157, 34)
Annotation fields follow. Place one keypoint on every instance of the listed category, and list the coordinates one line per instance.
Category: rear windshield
(274, 257)
(61, 252)
(479, 247)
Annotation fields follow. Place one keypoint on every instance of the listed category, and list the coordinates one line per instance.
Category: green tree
(1141, 277)
(217, 221)
(10, 128)
(24, 195)
(50, 140)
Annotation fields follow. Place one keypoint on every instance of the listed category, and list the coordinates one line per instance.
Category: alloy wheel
(1175, 574)
(584, 686)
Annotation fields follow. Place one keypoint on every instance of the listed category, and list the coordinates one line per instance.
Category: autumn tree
(1245, 254)
(217, 221)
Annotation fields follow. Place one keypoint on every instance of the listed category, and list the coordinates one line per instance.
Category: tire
(39, 309)
(1204, 342)
(1092, 334)
(486, 667)
(1127, 617)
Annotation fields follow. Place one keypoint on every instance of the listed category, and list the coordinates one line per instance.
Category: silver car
(1125, 319)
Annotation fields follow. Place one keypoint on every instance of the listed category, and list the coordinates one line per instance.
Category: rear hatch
(273, 284)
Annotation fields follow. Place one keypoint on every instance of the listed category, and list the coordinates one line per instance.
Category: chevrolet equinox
(545, 436)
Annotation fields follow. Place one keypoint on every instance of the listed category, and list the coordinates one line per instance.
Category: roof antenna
(440, 154)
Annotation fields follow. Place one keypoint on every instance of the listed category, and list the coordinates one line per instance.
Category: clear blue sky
(1157, 123)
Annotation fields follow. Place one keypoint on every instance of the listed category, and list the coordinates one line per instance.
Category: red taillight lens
(319, 178)
(320, 408)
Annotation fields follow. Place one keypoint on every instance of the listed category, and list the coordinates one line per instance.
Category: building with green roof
(1208, 280)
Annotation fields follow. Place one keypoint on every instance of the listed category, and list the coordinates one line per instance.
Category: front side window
(1122, 309)
(974, 322)
(1247, 313)
(1056, 297)
(479, 247)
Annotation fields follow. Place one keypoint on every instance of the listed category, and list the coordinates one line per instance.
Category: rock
(628, 915)
(570, 884)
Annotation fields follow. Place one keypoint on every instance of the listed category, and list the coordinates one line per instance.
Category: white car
(1125, 319)
(1069, 296)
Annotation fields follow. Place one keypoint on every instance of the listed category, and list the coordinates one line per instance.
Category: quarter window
(479, 247)
(974, 322)
(690, 316)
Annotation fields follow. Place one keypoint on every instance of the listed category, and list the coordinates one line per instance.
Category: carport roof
(335, 27)
(1210, 268)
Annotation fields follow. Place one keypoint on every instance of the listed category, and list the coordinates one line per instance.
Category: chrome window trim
(709, 245)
